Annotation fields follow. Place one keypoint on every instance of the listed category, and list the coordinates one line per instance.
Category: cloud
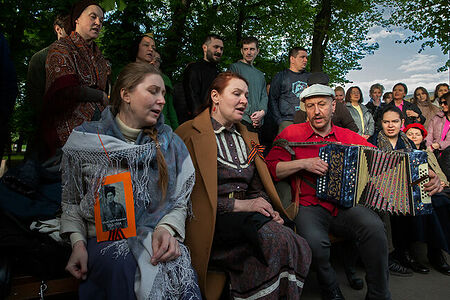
(420, 63)
(381, 33)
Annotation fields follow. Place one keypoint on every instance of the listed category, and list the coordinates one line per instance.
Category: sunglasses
(443, 102)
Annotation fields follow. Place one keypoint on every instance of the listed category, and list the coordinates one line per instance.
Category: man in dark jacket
(198, 76)
(286, 87)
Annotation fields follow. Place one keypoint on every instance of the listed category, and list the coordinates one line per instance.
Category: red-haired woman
(237, 226)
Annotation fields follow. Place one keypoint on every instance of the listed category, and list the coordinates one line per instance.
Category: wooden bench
(28, 287)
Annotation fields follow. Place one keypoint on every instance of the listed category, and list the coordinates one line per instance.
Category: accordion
(387, 181)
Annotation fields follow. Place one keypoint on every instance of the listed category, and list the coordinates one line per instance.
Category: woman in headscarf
(76, 77)
(237, 226)
(130, 136)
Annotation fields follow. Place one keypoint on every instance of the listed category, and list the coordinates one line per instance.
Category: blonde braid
(163, 180)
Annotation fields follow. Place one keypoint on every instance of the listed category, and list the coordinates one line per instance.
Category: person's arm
(77, 263)
(274, 97)
(170, 112)
(444, 144)
(65, 91)
(233, 68)
(73, 227)
(264, 99)
(281, 164)
(346, 118)
(414, 113)
(192, 89)
(164, 245)
(431, 128)
(370, 125)
(174, 222)
(313, 165)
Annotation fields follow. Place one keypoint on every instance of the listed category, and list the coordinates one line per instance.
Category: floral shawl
(71, 63)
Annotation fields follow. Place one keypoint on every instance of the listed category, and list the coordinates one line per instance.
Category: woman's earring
(214, 109)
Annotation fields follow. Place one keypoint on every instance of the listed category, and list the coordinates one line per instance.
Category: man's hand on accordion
(434, 185)
(315, 165)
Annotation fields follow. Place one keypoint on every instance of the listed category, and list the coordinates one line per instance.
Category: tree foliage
(428, 20)
(334, 31)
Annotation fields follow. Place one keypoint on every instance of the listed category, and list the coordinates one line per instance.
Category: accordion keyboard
(321, 181)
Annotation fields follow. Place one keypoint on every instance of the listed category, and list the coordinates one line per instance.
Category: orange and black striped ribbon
(116, 234)
(256, 150)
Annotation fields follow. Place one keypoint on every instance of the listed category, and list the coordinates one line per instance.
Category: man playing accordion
(317, 218)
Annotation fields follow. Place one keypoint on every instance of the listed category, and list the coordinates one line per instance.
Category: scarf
(84, 166)
(384, 144)
(71, 63)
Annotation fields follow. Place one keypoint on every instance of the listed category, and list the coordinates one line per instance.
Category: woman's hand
(257, 204)
(256, 118)
(366, 136)
(411, 113)
(435, 146)
(277, 218)
(77, 264)
(165, 246)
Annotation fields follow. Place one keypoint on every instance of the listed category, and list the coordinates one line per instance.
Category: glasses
(443, 102)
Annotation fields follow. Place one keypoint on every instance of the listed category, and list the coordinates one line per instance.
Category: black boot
(334, 294)
(409, 261)
(437, 260)
(396, 269)
(355, 282)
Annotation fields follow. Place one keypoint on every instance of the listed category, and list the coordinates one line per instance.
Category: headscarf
(77, 10)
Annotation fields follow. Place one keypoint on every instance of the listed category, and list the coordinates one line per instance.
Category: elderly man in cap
(316, 218)
(76, 77)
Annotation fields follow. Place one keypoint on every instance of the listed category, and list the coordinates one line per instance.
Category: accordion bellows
(387, 181)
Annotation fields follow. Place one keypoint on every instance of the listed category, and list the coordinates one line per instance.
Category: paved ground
(432, 286)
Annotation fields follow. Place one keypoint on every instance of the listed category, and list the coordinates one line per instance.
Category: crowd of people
(214, 212)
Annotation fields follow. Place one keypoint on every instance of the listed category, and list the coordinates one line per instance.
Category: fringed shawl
(85, 164)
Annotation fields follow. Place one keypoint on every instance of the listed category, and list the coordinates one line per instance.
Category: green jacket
(170, 115)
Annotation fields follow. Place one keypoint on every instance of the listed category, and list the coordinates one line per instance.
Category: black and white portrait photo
(112, 207)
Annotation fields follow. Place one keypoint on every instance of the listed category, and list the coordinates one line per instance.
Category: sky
(398, 62)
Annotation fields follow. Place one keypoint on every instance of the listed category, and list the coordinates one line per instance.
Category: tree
(335, 31)
(427, 19)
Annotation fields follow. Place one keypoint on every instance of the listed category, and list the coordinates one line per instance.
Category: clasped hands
(165, 248)
(260, 205)
(256, 118)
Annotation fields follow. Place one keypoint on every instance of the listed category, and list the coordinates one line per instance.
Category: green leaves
(428, 21)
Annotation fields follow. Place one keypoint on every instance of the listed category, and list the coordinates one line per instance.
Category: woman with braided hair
(130, 136)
